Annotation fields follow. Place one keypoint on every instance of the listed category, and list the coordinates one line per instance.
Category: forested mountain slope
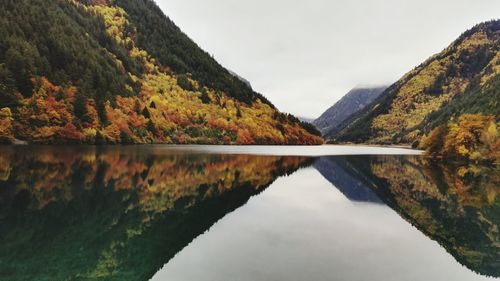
(119, 71)
(464, 78)
(351, 103)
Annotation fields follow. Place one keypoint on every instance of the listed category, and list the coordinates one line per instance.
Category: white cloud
(305, 55)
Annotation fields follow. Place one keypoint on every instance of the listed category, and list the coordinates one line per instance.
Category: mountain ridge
(354, 101)
(406, 111)
(120, 71)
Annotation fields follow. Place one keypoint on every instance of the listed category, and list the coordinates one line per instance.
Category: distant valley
(449, 105)
(353, 102)
(464, 78)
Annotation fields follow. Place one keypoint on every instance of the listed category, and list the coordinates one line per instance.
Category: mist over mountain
(461, 80)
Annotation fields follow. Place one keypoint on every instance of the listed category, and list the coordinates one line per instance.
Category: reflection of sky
(301, 228)
(322, 150)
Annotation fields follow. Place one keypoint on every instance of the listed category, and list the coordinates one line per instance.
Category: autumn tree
(6, 130)
(94, 77)
(474, 137)
(434, 142)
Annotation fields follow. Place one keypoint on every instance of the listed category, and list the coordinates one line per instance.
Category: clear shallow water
(216, 213)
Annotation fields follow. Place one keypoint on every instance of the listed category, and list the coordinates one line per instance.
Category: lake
(215, 213)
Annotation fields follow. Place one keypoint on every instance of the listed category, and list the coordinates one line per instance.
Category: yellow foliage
(44, 134)
(162, 112)
(112, 133)
(6, 130)
(475, 40)
(494, 65)
(89, 134)
(412, 96)
(430, 87)
(474, 137)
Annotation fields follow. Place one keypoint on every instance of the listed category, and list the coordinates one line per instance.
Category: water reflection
(116, 213)
(337, 171)
(456, 205)
(121, 213)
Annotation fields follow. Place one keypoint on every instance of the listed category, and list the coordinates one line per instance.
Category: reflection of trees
(458, 206)
(116, 213)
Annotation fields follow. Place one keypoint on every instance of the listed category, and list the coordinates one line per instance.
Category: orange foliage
(6, 130)
(162, 112)
(70, 133)
(159, 179)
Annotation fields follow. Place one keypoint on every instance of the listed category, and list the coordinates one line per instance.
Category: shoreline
(26, 143)
(264, 150)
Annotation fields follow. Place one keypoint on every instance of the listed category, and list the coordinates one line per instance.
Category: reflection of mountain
(116, 213)
(459, 207)
(335, 171)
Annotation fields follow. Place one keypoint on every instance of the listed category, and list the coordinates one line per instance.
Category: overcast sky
(305, 55)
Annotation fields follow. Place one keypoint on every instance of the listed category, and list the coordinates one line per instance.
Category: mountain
(120, 71)
(464, 78)
(306, 119)
(241, 78)
(351, 103)
(335, 169)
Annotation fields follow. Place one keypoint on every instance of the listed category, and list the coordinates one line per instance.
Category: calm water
(196, 213)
